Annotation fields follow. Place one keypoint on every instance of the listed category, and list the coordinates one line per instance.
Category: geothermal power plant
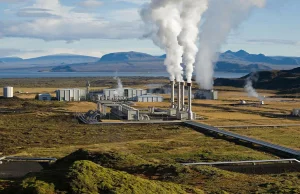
(119, 106)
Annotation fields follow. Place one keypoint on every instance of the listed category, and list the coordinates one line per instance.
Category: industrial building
(127, 94)
(8, 92)
(126, 112)
(149, 98)
(71, 94)
(44, 97)
(206, 94)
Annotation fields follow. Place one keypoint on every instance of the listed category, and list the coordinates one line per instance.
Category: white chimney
(190, 112)
(179, 97)
(182, 96)
(172, 94)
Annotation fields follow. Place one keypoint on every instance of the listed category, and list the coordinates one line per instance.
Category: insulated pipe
(190, 113)
(179, 97)
(182, 96)
(172, 94)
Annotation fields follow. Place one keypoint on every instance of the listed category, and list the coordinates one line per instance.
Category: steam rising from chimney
(191, 15)
(222, 17)
(163, 19)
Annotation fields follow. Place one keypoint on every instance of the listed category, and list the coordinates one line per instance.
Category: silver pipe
(179, 97)
(190, 112)
(172, 94)
(182, 96)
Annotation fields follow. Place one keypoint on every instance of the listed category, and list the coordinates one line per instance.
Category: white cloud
(67, 24)
(139, 2)
(129, 15)
(12, 1)
(90, 3)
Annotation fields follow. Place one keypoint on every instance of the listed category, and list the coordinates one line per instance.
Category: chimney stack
(179, 97)
(172, 94)
(190, 113)
(182, 96)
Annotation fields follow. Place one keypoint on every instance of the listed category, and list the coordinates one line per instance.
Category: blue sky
(30, 28)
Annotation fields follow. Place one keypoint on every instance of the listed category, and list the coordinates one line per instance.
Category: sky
(32, 28)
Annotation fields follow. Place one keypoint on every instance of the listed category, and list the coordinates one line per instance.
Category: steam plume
(249, 86)
(222, 17)
(163, 19)
(120, 88)
(191, 15)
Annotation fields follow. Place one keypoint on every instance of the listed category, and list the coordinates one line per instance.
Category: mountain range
(284, 81)
(229, 61)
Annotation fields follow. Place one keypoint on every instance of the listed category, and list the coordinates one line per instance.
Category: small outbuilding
(296, 112)
(206, 94)
(8, 92)
(44, 97)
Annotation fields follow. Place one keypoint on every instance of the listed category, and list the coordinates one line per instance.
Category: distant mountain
(62, 59)
(66, 68)
(229, 61)
(11, 59)
(286, 81)
(162, 56)
(127, 56)
(236, 67)
(246, 58)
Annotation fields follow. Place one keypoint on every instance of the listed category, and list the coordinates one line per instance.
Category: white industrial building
(127, 93)
(8, 92)
(150, 98)
(206, 94)
(71, 94)
(44, 97)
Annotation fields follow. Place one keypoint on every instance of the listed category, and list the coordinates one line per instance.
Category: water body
(32, 74)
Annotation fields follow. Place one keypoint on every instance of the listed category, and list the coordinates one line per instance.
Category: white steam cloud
(163, 19)
(222, 17)
(191, 15)
(120, 89)
(249, 86)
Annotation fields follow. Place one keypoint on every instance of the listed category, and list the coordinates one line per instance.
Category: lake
(32, 74)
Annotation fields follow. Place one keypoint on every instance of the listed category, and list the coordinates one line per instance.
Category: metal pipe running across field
(258, 126)
(243, 162)
(24, 159)
(279, 149)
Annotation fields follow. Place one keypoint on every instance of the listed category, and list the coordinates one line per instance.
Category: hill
(287, 81)
(244, 57)
(11, 59)
(61, 59)
(229, 61)
(85, 176)
(126, 56)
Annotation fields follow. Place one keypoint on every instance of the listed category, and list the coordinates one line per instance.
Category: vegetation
(110, 172)
(120, 158)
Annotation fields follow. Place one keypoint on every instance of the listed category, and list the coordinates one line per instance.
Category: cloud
(139, 2)
(8, 52)
(12, 1)
(125, 15)
(67, 24)
(274, 41)
(35, 12)
(90, 3)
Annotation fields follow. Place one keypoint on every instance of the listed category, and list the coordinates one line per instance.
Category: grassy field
(32, 128)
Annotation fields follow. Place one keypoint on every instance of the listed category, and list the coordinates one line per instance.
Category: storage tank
(8, 92)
